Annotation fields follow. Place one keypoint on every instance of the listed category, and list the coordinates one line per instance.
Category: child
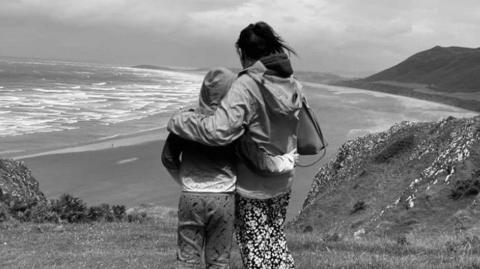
(207, 175)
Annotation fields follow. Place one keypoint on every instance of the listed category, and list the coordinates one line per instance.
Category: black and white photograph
(239, 134)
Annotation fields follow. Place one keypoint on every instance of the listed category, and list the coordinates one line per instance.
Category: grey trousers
(205, 229)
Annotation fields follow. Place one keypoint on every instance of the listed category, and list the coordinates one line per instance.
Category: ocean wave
(66, 99)
(9, 98)
(47, 90)
(10, 90)
(12, 151)
(100, 84)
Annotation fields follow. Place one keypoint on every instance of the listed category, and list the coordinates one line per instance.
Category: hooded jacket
(198, 167)
(263, 104)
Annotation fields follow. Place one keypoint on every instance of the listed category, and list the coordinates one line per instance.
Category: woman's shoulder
(244, 87)
(243, 81)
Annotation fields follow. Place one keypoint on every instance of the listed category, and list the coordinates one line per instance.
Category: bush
(40, 213)
(137, 217)
(335, 237)
(72, 210)
(395, 149)
(470, 244)
(463, 188)
(119, 212)
(4, 215)
(105, 212)
(358, 206)
(402, 240)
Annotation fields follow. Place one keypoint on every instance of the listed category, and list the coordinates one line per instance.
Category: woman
(263, 105)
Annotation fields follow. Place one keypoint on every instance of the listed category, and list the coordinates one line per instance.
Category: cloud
(329, 35)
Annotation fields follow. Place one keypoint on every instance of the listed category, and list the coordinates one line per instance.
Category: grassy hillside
(441, 68)
(151, 244)
(421, 178)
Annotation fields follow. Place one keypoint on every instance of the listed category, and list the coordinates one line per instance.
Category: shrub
(358, 206)
(470, 244)
(95, 213)
(395, 148)
(119, 212)
(4, 215)
(39, 213)
(463, 188)
(137, 217)
(335, 237)
(107, 212)
(71, 209)
(308, 229)
(402, 241)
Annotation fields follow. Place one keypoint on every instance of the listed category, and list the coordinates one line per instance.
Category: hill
(447, 75)
(414, 179)
(167, 68)
(318, 77)
(448, 69)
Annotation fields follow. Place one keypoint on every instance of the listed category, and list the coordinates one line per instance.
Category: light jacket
(198, 167)
(264, 104)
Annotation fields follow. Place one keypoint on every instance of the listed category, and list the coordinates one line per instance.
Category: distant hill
(309, 76)
(169, 68)
(443, 68)
(448, 75)
(416, 178)
(318, 77)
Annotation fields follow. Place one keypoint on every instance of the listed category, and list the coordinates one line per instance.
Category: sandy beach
(128, 169)
(127, 175)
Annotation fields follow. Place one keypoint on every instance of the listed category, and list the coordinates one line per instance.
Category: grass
(152, 245)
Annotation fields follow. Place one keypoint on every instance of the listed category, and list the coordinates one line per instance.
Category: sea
(84, 102)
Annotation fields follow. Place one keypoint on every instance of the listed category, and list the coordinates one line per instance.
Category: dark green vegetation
(414, 179)
(448, 75)
(441, 68)
(69, 209)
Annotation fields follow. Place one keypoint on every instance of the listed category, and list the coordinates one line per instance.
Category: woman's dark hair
(259, 40)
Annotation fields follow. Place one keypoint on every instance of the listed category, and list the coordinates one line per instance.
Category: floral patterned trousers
(259, 232)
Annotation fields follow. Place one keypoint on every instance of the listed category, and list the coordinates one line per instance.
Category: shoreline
(411, 92)
(125, 140)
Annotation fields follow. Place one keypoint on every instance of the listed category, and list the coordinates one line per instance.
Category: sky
(347, 37)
